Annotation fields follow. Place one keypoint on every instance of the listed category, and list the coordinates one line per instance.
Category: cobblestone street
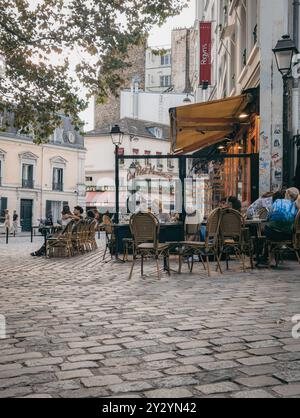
(78, 328)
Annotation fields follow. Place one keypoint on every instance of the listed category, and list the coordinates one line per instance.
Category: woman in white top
(66, 216)
(7, 220)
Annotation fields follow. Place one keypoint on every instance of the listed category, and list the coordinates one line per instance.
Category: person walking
(15, 222)
(7, 220)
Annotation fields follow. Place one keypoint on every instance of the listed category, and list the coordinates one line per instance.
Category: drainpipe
(295, 90)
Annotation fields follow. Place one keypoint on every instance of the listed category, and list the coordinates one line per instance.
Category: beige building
(36, 180)
(158, 70)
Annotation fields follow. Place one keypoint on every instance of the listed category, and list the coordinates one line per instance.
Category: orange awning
(201, 125)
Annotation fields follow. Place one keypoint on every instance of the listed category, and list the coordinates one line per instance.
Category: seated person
(66, 216)
(90, 215)
(265, 201)
(42, 251)
(282, 217)
(78, 211)
(235, 203)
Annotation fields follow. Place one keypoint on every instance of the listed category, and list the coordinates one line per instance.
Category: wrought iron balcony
(27, 184)
(58, 187)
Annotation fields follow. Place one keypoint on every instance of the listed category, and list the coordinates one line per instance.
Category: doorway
(26, 214)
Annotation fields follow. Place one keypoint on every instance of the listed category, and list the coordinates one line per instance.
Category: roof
(66, 125)
(135, 127)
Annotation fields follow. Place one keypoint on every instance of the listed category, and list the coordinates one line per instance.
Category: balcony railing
(27, 184)
(58, 187)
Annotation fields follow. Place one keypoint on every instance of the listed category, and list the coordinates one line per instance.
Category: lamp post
(117, 137)
(284, 51)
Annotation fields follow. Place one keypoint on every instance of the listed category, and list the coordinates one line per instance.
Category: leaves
(38, 36)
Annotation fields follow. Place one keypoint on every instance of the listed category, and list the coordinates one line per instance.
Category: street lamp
(117, 137)
(284, 51)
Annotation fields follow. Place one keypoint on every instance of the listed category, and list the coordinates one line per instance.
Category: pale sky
(159, 36)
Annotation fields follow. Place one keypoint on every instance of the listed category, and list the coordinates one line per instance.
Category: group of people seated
(282, 208)
(66, 217)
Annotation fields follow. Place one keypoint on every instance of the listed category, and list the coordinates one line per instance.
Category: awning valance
(104, 198)
(201, 125)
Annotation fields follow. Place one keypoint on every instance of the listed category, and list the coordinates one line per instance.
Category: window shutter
(48, 207)
(3, 206)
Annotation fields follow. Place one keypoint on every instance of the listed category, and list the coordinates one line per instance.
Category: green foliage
(38, 36)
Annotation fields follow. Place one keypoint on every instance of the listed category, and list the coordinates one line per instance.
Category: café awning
(104, 198)
(201, 125)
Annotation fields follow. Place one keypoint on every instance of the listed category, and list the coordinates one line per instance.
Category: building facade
(149, 106)
(244, 34)
(37, 180)
(109, 111)
(141, 138)
(158, 69)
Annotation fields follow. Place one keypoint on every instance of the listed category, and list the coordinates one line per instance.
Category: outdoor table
(169, 232)
(46, 230)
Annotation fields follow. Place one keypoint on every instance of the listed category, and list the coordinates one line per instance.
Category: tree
(38, 36)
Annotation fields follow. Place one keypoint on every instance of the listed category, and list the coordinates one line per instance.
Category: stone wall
(109, 112)
(183, 59)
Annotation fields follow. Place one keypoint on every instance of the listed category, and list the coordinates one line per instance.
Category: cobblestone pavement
(78, 328)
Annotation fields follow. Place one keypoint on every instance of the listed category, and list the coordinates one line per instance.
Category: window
(165, 59)
(27, 176)
(155, 131)
(3, 207)
(147, 161)
(165, 81)
(53, 209)
(170, 164)
(135, 151)
(159, 162)
(0, 173)
(89, 179)
(121, 154)
(57, 182)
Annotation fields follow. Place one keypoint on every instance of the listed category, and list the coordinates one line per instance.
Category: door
(26, 214)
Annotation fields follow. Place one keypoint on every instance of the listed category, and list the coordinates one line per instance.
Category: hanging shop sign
(205, 53)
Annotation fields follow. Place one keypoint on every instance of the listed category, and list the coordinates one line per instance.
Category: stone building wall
(109, 112)
(183, 59)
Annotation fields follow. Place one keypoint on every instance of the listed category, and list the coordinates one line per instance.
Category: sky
(159, 36)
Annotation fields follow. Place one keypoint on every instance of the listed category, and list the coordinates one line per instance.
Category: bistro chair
(263, 214)
(276, 249)
(210, 247)
(145, 231)
(232, 237)
(91, 238)
(61, 246)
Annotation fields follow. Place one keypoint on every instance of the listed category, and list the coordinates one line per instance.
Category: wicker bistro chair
(204, 249)
(91, 236)
(234, 237)
(277, 248)
(61, 246)
(78, 237)
(145, 231)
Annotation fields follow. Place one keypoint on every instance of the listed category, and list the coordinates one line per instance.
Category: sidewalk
(78, 328)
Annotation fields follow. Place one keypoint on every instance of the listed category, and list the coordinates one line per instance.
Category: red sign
(205, 53)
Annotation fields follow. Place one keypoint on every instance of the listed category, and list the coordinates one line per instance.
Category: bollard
(7, 231)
